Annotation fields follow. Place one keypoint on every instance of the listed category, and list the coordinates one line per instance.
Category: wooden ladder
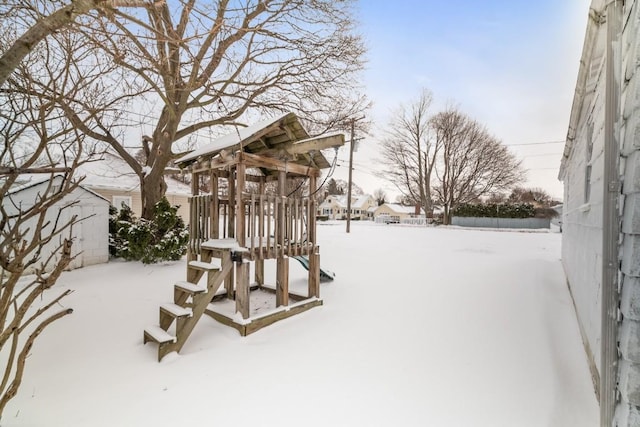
(190, 300)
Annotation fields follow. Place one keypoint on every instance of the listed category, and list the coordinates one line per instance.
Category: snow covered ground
(422, 327)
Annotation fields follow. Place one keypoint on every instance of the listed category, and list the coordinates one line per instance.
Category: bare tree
(380, 196)
(409, 151)
(210, 63)
(40, 145)
(48, 17)
(472, 163)
(536, 196)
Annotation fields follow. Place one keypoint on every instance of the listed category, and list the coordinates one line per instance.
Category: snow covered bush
(163, 238)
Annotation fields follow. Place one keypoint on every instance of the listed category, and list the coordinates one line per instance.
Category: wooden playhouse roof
(281, 137)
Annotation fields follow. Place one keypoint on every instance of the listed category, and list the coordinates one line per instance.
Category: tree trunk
(446, 219)
(151, 191)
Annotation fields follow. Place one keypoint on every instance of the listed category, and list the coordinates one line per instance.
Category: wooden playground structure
(246, 208)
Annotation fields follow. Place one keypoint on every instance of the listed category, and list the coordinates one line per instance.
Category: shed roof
(31, 180)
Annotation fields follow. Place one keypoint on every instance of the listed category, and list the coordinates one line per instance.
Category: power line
(536, 143)
(541, 155)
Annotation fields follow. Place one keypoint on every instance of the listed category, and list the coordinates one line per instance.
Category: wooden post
(229, 283)
(215, 205)
(231, 182)
(193, 219)
(282, 281)
(242, 289)
(240, 214)
(314, 275)
(259, 271)
(312, 214)
(261, 216)
(281, 223)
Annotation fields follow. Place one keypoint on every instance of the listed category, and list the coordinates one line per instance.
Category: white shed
(90, 236)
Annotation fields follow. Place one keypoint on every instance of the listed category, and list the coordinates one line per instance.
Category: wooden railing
(273, 226)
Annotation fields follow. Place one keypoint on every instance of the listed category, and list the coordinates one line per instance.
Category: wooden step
(205, 266)
(189, 287)
(158, 335)
(213, 244)
(174, 310)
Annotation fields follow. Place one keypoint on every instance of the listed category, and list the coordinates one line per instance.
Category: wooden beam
(215, 163)
(262, 322)
(275, 164)
(316, 144)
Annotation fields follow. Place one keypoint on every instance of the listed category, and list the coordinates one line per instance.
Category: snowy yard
(422, 327)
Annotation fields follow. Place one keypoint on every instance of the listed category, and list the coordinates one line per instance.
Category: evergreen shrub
(163, 238)
(492, 210)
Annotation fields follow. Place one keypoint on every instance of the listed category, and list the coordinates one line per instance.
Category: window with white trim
(119, 200)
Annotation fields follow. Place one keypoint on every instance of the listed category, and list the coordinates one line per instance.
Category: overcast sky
(511, 65)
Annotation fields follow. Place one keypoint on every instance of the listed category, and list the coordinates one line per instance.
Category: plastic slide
(325, 275)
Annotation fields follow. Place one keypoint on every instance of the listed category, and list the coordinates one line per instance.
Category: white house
(113, 179)
(90, 236)
(335, 207)
(600, 169)
(397, 213)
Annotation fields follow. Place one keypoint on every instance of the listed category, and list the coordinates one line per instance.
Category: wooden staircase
(190, 300)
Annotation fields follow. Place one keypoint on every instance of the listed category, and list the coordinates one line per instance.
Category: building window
(119, 200)
(587, 172)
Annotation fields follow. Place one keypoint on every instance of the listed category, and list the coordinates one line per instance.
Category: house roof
(361, 201)
(586, 59)
(113, 173)
(280, 136)
(398, 208)
(356, 202)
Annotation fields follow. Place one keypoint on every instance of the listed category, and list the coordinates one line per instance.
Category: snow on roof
(113, 173)
(361, 201)
(356, 202)
(29, 180)
(396, 207)
(231, 139)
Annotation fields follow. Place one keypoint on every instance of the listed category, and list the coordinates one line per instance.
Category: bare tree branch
(48, 25)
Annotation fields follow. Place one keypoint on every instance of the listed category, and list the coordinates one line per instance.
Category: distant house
(114, 180)
(396, 213)
(90, 236)
(600, 169)
(335, 207)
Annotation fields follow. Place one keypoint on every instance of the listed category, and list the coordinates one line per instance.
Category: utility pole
(353, 122)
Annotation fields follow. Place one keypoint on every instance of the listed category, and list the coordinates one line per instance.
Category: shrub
(491, 210)
(163, 238)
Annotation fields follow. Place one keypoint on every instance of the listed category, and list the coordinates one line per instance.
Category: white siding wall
(582, 238)
(90, 237)
(582, 216)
